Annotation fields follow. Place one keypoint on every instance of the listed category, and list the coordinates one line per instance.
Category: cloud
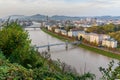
(59, 7)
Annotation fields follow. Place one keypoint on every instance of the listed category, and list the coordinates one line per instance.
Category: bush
(10, 71)
(28, 58)
(16, 46)
(2, 57)
(110, 73)
(14, 37)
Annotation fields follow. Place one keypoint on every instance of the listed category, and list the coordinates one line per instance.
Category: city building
(49, 28)
(93, 37)
(74, 32)
(64, 32)
(97, 38)
(109, 43)
(84, 35)
(57, 30)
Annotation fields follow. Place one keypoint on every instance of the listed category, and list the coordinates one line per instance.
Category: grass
(63, 38)
(102, 52)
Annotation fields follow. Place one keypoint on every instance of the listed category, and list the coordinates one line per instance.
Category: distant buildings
(109, 43)
(74, 32)
(49, 28)
(57, 30)
(64, 32)
(84, 35)
(99, 39)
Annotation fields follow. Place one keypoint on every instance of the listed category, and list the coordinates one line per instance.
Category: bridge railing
(73, 43)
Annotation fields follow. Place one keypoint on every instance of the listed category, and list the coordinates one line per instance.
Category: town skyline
(62, 7)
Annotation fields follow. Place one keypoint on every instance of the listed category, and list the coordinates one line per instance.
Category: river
(81, 59)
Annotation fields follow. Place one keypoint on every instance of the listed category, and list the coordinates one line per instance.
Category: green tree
(115, 35)
(15, 45)
(96, 29)
(110, 73)
(13, 37)
(109, 28)
(81, 38)
(2, 57)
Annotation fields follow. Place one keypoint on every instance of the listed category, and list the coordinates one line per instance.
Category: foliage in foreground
(110, 73)
(48, 71)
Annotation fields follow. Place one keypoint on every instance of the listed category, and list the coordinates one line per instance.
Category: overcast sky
(60, 7)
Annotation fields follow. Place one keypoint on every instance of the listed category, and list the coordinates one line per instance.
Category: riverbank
(63, 38)
(102, 52)
(99, 51)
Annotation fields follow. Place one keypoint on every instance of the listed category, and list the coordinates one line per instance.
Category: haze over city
(60, 7)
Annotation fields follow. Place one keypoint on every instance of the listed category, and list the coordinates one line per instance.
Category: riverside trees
(105, 29)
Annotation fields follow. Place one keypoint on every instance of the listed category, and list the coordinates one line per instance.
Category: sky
(60, 7)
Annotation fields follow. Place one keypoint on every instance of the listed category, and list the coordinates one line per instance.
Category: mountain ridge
(58, 17)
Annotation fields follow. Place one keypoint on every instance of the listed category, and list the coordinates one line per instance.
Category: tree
(110, 73)
(115, 35)
(109, 28)
(15, 45)
(81, 38)
(13, 37)
(96, 29)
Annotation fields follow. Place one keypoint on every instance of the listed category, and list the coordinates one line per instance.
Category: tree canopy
(105, 29)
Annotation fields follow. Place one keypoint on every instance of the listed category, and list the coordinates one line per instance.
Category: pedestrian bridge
(56, 44)
(31, 27)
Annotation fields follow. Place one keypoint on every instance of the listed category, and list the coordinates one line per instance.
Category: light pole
(48, 43)
(66, 45)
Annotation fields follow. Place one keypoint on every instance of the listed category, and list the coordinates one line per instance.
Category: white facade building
(100, 39)
(84, 35)
(74, 33)
(109, 43)
(97, 38)
(49, 28)
(64, 32)
(57, 30)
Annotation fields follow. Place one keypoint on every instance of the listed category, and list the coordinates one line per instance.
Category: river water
(81, 59)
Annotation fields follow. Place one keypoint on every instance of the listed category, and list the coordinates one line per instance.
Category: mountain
(15, 17)
(57, 17)
(108, 17)
(37, 17)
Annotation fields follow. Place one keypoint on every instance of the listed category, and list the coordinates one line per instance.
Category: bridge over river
(81, 59)
(56, 44)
